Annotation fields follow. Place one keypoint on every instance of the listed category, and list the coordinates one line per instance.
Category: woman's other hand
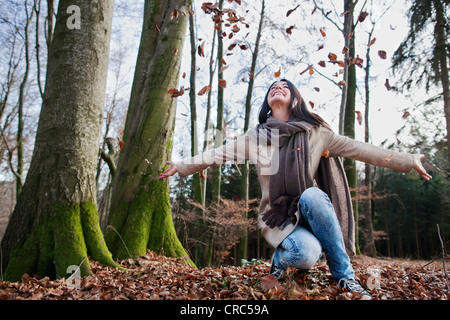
(419, 167)
(170, 171)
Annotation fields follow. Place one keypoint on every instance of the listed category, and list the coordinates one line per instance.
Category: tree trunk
(242, 246)
(196, 183)
(55, 222)
(370, 242)
(349, 116)
(442, 55)
(218, 141)
(203, 235)
(140, 216)
(206, 248)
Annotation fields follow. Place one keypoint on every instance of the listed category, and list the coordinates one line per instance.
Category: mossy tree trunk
(349, 111)
(140, 215)
(55, 222)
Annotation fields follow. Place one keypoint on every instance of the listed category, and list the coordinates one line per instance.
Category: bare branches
(228, 218)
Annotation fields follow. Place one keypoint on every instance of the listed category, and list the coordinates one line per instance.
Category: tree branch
(109, 157)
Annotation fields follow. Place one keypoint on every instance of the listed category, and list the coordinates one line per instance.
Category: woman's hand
(419, 167)
(170, 171)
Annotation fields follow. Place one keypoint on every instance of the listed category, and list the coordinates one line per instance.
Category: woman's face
(279, 95)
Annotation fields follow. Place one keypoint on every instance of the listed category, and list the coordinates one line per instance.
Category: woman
(305, 205)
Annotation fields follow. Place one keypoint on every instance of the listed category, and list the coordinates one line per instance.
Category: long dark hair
(299, 110)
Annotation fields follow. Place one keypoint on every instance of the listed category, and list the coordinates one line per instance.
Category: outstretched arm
(343, 146)
(419, 167)
(170, 171)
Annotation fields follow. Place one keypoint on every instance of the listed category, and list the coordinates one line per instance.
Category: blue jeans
(318, 231)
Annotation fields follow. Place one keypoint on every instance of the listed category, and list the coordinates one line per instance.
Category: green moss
(147, 224)
(97, 248)
(169, 144)
(62, 238)
(23, 259)
(137, 226)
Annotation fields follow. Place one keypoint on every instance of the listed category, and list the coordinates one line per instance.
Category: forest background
(302, 41)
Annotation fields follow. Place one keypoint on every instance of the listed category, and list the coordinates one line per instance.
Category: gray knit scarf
(294, 174)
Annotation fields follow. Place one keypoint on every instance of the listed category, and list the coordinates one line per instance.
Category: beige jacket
(320, 140)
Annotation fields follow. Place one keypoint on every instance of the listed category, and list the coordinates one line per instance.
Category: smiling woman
(305, 206)
(277, 103)
(279, 99)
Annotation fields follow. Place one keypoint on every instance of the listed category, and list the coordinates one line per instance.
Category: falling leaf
(311, 104)
(358, 116)
(222, 83)
(350, 34)
(278, 73)
(344, 50)
(202, 174)
(121, 143)
(311, 71)
(382, 54)
(176, 93)
(288, 13)
(174, 14)
(317, 89)
(157, 28)
(184, 75)
(223, 61)
(322, 64)
(297, 149)
(208, 7)
(320, 47)
(231, 46)
(175, 51)
(332, 56)
(201, 49)
(387, 85)
(362, 16)
(372, 41)
(358, 61)
(405, 115)
(341, 83)
(389, 159)
(289, 30)
(223, 69)
(323, 33)
(308, 68)
(204, 90)
(326, 153)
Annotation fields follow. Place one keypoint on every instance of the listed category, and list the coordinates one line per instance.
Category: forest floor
(153, 276)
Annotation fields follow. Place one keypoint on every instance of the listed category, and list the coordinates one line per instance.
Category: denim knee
(315, 200)
(311, 194)
(300, 250)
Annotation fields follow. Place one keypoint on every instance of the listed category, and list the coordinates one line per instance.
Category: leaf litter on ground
(156, 277)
